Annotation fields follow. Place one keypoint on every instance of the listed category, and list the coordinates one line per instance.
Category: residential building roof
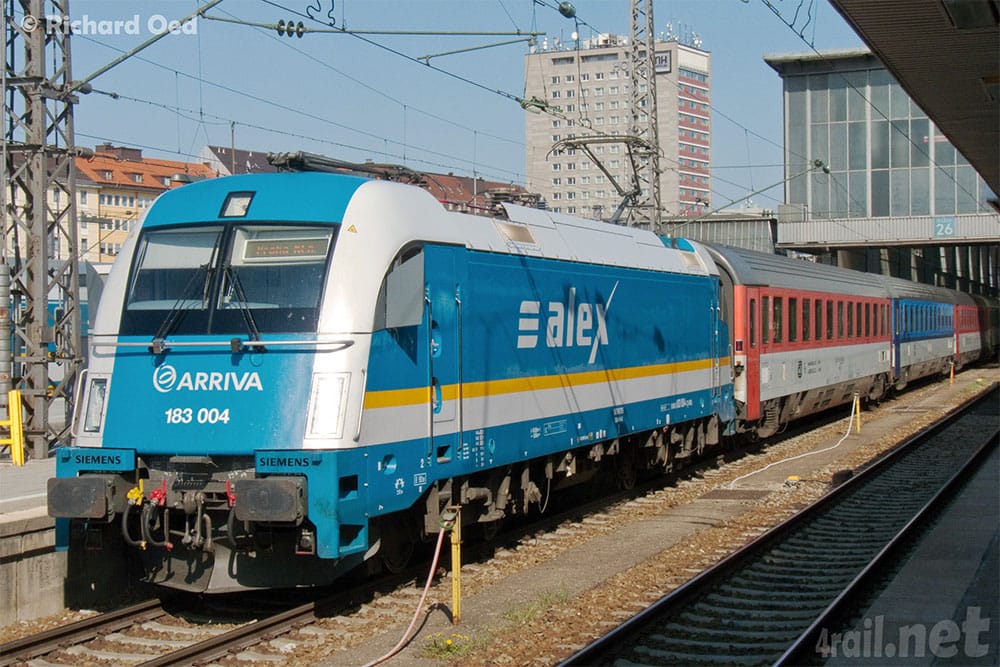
(117, 166)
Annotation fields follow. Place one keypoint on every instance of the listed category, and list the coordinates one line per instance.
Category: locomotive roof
(568, 237)
(748, 267)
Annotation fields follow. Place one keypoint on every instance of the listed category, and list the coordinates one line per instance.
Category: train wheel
(489, 529)
(398, 544)
(626, 468)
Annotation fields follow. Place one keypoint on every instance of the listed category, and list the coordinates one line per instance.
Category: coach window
(765, 320)
(850, 320)
(753, 323)
(857, 320)
(829, 320)
(819, 319)
(805, 319)
(778, 317)
(840, 319)
(868, 320)
(793, 320)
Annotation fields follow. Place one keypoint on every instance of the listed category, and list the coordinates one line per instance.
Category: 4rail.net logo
(878, 639)
(567, 323)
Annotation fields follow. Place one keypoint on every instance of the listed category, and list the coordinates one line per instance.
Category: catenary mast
(39, 220)
(645, 208)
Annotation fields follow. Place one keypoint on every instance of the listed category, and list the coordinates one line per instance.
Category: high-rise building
(584, 91)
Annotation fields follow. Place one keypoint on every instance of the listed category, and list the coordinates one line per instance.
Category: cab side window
(401, 297)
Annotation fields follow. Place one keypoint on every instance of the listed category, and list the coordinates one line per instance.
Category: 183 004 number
(201, 415)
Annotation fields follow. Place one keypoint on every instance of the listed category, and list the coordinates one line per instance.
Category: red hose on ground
(420, 605)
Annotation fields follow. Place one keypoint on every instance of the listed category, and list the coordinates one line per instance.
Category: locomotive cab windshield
(265, 278)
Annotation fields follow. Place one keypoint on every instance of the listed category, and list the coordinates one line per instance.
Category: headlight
(326, 404)
(93, 419)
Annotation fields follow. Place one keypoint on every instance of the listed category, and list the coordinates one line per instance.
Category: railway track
(75, 634)
(153, 633)
(761, 605)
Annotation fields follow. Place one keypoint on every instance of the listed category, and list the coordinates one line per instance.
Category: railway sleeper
(729, 648)
(739, 632)
(694, 622)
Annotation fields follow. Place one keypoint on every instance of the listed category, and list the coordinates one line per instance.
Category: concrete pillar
(976, 273)
(851, 259)
(963, 264)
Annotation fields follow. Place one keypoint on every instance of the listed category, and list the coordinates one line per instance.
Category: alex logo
(568, 324)
(166, 379)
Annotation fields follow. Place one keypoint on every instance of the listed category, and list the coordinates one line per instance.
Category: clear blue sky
(346, 97)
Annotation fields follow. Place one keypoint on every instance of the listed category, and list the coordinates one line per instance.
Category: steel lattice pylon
(645, 208)
(38, 202)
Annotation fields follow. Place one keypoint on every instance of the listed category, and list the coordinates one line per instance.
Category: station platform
(22, 488)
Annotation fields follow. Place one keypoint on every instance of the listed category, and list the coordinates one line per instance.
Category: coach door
(443, 309)
(748, 324)
(716, 344)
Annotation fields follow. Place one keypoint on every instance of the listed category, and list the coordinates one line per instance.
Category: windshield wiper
(178, 311)
(236, 285)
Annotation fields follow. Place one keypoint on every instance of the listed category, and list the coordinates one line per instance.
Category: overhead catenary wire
(389, 49)
(278, 105)
(202, 81)
(438, 165)
(291, 45)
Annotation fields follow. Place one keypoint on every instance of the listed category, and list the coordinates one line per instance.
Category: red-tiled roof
(110, 169)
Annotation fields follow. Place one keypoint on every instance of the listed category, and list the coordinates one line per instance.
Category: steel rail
(802, 650)
(33, 646)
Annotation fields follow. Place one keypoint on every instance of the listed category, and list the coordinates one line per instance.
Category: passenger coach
(805, 337)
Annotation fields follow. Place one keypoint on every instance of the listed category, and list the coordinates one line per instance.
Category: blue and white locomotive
(295, 373)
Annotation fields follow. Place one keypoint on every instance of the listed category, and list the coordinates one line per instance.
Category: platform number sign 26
(944, 227)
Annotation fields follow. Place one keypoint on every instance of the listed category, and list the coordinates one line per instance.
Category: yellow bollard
(456, 568)
(952, 380)
(857, 413)
(16, 425)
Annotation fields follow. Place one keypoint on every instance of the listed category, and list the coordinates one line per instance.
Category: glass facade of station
(885, 157)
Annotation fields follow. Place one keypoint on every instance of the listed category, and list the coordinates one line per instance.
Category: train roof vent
(520, 234)
(691, 259)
